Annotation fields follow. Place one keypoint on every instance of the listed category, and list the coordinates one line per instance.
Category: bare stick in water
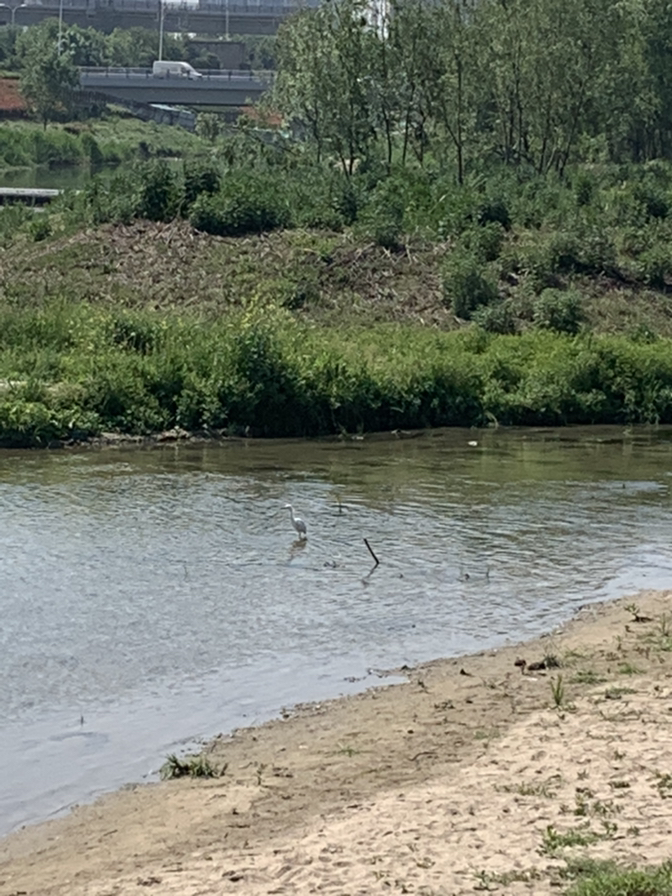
(377, 561)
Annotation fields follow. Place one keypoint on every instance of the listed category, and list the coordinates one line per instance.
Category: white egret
(297, 522)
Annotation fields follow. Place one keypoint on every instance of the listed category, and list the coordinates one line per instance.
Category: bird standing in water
(297, 522)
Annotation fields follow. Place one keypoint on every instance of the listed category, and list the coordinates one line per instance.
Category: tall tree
(48, 74)
(326, 79)
(452, 89)
(560, 70)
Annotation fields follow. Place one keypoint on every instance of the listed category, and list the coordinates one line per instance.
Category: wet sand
(476, 774)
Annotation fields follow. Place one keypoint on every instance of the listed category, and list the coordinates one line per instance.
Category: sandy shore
(469, 777)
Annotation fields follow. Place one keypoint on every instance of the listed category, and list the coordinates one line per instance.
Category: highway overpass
(106, 15)
(232, 88)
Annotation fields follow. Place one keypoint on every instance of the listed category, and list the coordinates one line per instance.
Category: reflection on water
(149, 596)
(64, 177)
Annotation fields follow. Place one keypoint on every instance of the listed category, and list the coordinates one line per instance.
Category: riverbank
(479, 773)
(152, 327)
(107, 141)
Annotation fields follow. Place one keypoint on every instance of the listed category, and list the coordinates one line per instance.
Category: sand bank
(477, 774)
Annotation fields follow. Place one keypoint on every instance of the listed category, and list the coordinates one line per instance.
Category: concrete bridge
(106, 15)
(232, 88)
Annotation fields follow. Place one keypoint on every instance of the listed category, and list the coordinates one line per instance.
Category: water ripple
(167, 584)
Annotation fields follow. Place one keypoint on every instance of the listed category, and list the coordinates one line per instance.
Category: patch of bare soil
(480, 773)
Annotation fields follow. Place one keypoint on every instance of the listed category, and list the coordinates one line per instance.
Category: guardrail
(218, 7)
(241, 74)
(210, 19)
(228, 88)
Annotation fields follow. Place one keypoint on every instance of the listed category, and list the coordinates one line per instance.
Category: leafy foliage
(467, 284)
(529, 81)
(48, 73)
(75, 370)
(612, 881)
(244, 205)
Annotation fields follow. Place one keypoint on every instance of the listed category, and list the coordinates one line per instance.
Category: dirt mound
(171, 265)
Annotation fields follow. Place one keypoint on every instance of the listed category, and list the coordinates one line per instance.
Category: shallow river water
(151, 597)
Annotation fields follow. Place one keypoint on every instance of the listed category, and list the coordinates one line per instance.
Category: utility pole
(161, 14)
(60, 25)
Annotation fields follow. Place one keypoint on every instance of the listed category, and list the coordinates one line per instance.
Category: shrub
(467, 283)
(496, 318)
(118, 394)
(159, 191)
(532, 263)
(652, 199)
(485, 242)
(56, 147)
(26, 423)
(383, 219)
(200, 178)
(654, 265)
(91, 149)
(494, 210)
(564, 252)
(117, 200)
(558, 310)
(584, 189)
(541, 200)
(136, 333)
(11, 219)
(347, 200)
(598, 252)
(40, 228)
(209, 124)
(586, 250)
(246, 204)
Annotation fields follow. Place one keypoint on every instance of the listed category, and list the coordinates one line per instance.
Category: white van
(168, 68)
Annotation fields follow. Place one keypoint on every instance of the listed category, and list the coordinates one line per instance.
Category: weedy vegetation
(197, 766)
(606, 879)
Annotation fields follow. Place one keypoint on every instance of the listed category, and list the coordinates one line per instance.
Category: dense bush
(160, 193)
(200, 178)
(467, 283)
(89, 371)
(496, 318)
(494, 211)
(85, 371)
(382, 220)
(485, 242)
(559, 311)
(654, 266)
(116, 200)
(244, 205)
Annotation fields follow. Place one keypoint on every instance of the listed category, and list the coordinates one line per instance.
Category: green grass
(664, 784)
(196, 766)
(553, 840)
(557, 692)
(72, 369)
(546, 789)
(112, 139)
(629, 669)
(136, 327)
(588, 676)
(603, 879)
